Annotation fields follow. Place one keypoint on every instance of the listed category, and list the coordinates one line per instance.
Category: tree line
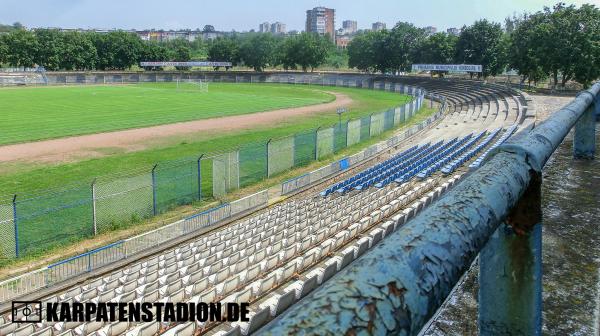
(563, 40)
(56, 50)
(119, 50)
(562, 43)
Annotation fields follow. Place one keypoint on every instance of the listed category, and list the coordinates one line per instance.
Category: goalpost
(196, 85)
(23, 76)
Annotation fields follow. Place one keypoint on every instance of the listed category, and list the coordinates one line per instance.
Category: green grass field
(30, 114)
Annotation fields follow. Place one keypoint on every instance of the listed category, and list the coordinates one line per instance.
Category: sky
(243, 15)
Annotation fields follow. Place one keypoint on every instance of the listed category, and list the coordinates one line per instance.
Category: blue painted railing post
(154, 210)
(584, 142)
(199, 168)
(597, 103)
(510, 271)
(16, 224)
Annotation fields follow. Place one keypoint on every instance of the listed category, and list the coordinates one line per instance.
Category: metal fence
(123, 249)
(297, 183)
(30, 224)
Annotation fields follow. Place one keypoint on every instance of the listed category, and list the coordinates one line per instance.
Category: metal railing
(396, 287)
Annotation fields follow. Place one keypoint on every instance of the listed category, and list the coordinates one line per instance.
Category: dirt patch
(86, 146)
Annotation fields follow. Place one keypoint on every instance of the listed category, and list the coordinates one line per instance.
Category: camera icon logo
(27, 311)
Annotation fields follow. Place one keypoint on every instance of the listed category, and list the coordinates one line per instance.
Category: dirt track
(78, 147)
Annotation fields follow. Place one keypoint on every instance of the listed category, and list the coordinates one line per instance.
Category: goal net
(23, 76)
(193, 85)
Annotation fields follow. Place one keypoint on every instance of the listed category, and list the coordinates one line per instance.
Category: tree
(22, 47)
(224, 49)
(117, 50)
(77, 52)
(386, 50)
(180, 51)
(154, 52)
(567, 42)
(482, 43)
(523, 53)
(402, 45)
(258, 51)
(555, 40)
(587, 39)
(308, 50)
(50, 48)
(3, 50)
(338, 58)
(438, 48)
(361, 51)
(199, 49)
(284, 54)
(208, 29)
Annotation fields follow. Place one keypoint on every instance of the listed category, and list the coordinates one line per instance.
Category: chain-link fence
(33, 224)
(53, 219)
(124, 200)
(7, 232)
(305, 148)
(176, 184)
(253, 163)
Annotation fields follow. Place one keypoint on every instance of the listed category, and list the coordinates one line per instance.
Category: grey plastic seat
(257, 320)
(186, 329)
(145, 329)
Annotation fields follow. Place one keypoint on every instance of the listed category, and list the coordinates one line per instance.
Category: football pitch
(30, 114)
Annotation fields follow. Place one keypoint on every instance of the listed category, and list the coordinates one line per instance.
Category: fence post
(370, 124)
(347, 123)
(584, 138)
(316, 143)
(154, 189)
(268, 144)
(510, 271)
(16, 224)
(94, 220)
(199, 167)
